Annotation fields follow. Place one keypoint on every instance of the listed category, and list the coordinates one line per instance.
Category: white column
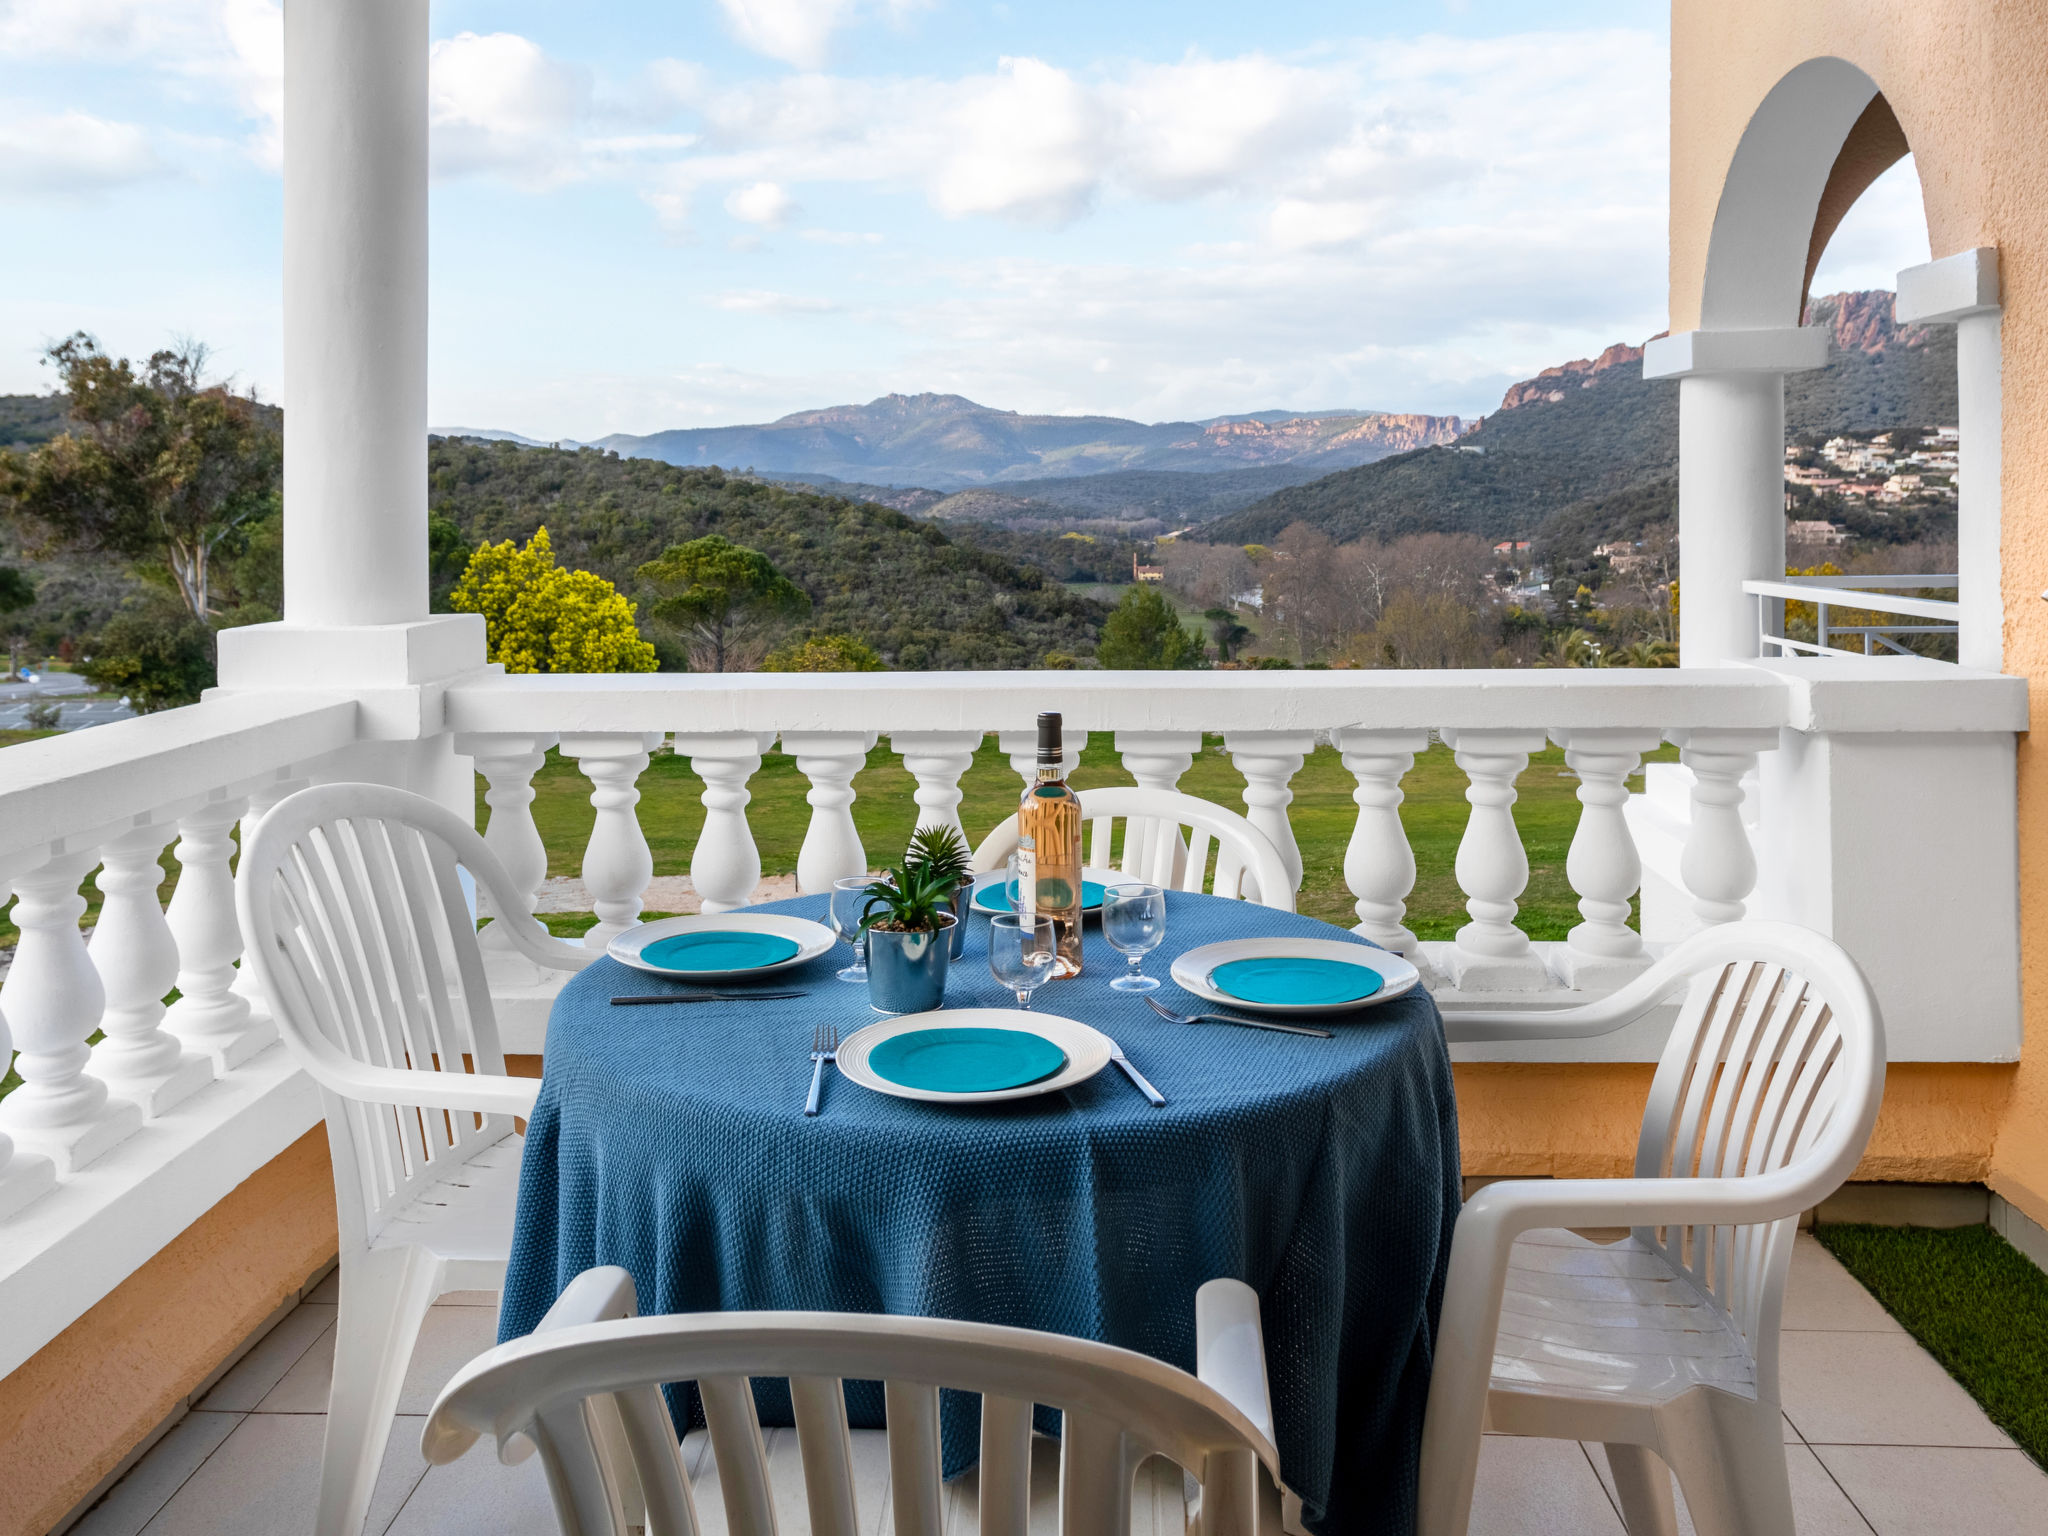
(53, 1000)
(616, 861)
(508, 764)
(137, 959)
(1719, 865)
(1491, 954)
(1156, 759)
(263, 798)
(832, 848)
(1603, 866)
(1269, 760)
(937, 760)
(1021, 748)
(209, 1015)
(1731, 474)
(355, 311)
(1379, 863)
(725, 866)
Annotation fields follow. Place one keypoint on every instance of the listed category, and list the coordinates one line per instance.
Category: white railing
(1860, 594)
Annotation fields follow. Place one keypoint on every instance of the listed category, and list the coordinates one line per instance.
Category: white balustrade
(617, 863)
(832, 848)
(1021, 748)
(24, 1176)
(137, 959)
(263, 798)
(53, 1000)
(938, 760)
(725, 866)
(1603, 865)
(1379, 864)
(209, 1015)
(508, 764)
(1269, 760)
(1719, 866)
(1156, 759)
(1491, 954)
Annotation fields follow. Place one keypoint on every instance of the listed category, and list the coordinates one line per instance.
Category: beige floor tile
(478, 1495)
(1823, 1295)
(148, 1486)
(1539, 1488)
(259, 1371)
(1818, 1505)
(450, 1339)
(1942, 1491)
(1876, 1389)
(328, 1291)
(264, 1480)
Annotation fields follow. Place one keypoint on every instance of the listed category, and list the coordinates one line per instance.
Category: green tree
(1226, 632)
(16, 593)
(158, 468)
(824, 653)
(541, 618)
(1145, 633)
(156, 655)
(722, 593)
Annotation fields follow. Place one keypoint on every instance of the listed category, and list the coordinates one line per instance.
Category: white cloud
(72, 153)
(762, 301)
(794, 31)
(761, 202)
(497, 103)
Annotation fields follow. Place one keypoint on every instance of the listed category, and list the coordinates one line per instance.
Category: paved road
(49, 683)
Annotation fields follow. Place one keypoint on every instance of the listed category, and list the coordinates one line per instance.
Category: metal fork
(1224, 1018)
(824, 1048)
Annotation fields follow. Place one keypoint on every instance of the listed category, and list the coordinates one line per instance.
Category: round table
(1324, 1173)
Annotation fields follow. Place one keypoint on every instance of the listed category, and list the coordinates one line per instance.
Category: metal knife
(1116, 1054)
(699, 997)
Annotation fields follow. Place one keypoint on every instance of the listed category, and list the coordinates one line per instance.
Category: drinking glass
(849, 900)
(1134, 922)
(1020, 952)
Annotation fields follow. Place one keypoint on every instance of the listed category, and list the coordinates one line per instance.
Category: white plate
(1087, 1051)
(813, 940)
(1191, 970)
(995, 877)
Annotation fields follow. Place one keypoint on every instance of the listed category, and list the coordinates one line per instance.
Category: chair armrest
(1502, 1212)
(601, 1294)
(532, 939)
(481, 1093)
(1230, 1349)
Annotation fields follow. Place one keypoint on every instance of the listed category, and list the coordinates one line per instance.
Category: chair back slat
(826, 1445)
(914, 1482)
(1005, 1466)
(742, 1457)
(1198, 860)
(1103, 840)
(1096, 1470)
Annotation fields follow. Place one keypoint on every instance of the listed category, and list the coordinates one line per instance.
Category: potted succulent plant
(942, 852)
(906, 924)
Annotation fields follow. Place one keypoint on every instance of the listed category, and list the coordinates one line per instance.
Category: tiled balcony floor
(1881, 1441)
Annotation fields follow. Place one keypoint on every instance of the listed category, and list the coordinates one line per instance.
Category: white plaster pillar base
(832, 847)
(1603, 951)
(209, 1015)
(725, 866)
(508, 764)
(1379, 863)
(1269, 760)
(617, 863)
(1490, 953)
(137, 959)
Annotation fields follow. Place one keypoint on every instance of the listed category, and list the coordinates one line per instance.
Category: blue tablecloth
(1324, 1173)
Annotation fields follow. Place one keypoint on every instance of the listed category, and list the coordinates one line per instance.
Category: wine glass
(849, 901)
(1021, 952)
(1134, 922)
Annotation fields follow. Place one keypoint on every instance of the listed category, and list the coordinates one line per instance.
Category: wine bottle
(1049, 817)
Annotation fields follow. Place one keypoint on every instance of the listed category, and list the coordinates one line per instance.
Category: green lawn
(1976, 1303)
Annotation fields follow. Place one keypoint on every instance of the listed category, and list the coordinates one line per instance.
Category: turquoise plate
(1284, 981)
(996, 898)
(965, 1060)
(719, 950)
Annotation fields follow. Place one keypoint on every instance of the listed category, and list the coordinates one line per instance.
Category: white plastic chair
(585, 1389)
(1157, 851)
(1664, 1344)
(355, 918)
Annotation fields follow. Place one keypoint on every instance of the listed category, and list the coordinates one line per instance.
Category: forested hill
(1596, 431)
(921, 599)
(26, 420)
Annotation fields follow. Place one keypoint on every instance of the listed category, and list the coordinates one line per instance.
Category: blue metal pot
(907, 971)
(963, 895)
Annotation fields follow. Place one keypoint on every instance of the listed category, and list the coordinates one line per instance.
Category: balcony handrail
(1806, 590)
(1851, 583)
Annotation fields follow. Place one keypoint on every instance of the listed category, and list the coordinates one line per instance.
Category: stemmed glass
(1020, 952)
(1134, 922)
(849, 900)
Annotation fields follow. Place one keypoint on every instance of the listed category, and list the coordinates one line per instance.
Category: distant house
(1509, 548)
(1815, 532)
(1146, 572)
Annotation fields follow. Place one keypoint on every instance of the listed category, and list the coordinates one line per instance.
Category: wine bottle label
(1026, 897)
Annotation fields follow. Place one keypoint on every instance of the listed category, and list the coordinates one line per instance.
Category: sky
(699, 212)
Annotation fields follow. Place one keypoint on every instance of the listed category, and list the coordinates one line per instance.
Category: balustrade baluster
(24, 1176)
(725, 866)
(1269, 760)
(832, 848)
(617, 863)
(137, 959)
(508, 764)
(53, 1001)
(263, 799)
(1379, 863)
(1603, 866)
(1491, 953)
(1156, 759)
(1021, 748)
(937, 760)
(1718, 865)
(209, 1015)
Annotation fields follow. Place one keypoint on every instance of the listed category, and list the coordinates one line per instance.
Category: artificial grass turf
(1975, 1302)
